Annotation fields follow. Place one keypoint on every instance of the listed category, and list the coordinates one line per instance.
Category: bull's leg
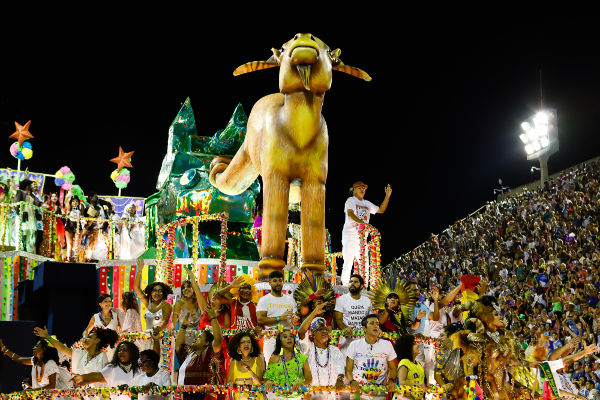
(276, 190)
(313, 226)
(234, 177)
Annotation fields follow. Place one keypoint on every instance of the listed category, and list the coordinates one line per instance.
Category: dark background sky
(439, 121)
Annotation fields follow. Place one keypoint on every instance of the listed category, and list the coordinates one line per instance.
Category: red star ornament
(22, 133)
(123, 159)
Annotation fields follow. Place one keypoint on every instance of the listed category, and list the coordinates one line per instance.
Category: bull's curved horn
(357, 72)
(252, 66)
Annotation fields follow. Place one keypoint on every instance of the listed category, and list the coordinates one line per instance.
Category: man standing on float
(358, 211)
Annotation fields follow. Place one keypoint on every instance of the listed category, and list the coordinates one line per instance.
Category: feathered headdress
(248, 280)
(307, 288)
(391, 282)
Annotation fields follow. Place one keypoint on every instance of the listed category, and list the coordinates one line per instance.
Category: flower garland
(106, 392)
(371, 274)
(169, 246)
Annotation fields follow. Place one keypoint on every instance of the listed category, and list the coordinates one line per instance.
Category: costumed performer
(309, 295)
(446, 382)
(106, 318)
(287, 368)
(91, 358)
(151, 376)
(154, 296)
(218, 303)
(247, 364)
(187, 308)
(96, 248)
(357, 211)
(72, 230)
(132, 234)
(395, 300)
(28, 220)
(203, 362)
(243, 304)
(129, 313)
(326, 362)
(45, 371)
(121, 370)
(53, 207)
(486, 358)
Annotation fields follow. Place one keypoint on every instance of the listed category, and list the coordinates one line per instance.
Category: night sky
(439, 121)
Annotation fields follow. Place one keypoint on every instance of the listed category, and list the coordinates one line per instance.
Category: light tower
(540, 139)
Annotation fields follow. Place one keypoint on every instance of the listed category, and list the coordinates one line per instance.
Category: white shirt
(160, 378)
(353, 311)
(371, 361)
(50, 368)
(276, 307)
(116, 376)
(81, 365)
(362, 209)
(331, 366)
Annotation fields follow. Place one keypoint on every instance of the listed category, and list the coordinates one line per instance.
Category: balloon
(24, 152)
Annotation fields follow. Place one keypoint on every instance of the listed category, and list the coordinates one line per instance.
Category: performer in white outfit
(357, 211)
(132, 234)
(106, 318)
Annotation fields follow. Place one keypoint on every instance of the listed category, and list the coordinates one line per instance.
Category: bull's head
(306, 64)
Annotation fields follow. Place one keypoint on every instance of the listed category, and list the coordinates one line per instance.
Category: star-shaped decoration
(22, 133)
(123, 159)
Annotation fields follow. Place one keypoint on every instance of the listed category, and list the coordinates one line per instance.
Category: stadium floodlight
(540, 138)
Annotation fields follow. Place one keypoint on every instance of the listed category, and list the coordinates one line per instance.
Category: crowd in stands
(535, 255)
(30, 225)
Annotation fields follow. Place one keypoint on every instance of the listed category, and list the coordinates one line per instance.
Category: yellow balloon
(27, 153)
(114, 174)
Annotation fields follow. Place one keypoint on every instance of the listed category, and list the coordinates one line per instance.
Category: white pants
(350, 252)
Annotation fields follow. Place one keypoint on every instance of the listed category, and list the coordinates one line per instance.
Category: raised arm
(386, 200)
(237, 282)
(199, 298)
(307, 321)
(450, 296)
(435, 315)
(591, 349)
(43, 333)
(14, 356)
(138, 280)
(217, 343)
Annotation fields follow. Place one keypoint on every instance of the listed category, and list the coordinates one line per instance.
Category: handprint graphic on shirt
(371, 370)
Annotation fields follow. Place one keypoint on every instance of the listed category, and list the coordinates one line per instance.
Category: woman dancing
(90, 359)
(158, 311)
(45, 371)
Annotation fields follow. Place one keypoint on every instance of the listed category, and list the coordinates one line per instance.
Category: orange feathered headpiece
(248, 280)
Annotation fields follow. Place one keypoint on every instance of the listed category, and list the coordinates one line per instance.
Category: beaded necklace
(102, 319)
(285, 372)
(323, 366)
